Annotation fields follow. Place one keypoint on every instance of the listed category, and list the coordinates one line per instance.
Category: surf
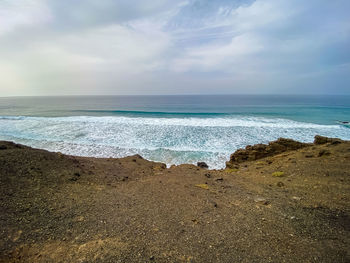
(174, 140)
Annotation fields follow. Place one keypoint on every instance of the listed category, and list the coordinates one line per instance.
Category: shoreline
(289, 197)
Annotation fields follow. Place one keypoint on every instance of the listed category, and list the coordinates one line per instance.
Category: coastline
(266, 206)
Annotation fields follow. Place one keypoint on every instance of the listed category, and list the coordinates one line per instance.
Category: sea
(169, 129)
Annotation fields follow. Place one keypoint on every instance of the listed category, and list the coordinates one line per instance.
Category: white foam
(192, 121)
(169, 140)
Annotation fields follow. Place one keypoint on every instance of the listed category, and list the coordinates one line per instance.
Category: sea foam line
(186, 121)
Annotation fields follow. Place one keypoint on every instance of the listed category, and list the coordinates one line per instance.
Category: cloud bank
(50, 47)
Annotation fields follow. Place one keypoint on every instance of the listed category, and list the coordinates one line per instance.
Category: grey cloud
(174, 47)
(89, 13)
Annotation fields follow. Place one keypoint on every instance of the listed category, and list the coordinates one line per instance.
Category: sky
(149, 47)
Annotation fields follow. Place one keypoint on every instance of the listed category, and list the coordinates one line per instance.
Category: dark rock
(309, 155)
(77, 174)
(219, 179)
(324, 152)
(336, 142)
(207, 175)
(137, 156)
(3, 147)
(323, 140)
(163, 166)
(202, 165)
(259, 151)
(280, 184)
(320, 139)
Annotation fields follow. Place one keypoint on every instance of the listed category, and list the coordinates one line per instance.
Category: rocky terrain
(282, 202)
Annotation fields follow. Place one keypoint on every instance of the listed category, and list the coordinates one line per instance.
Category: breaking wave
(174, 140)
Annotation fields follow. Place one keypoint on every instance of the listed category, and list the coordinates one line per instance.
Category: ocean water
(169, 129)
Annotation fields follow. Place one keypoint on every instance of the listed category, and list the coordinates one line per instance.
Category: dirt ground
(290, 207)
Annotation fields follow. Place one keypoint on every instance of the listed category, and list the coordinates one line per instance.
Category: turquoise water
(169, 129)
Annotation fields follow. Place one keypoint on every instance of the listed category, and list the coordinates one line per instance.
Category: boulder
(202, 165)
(3, 147)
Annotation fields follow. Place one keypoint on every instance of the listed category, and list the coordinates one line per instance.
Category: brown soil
(289, 207)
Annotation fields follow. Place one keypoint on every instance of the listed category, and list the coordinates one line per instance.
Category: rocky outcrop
(259, 151)
(323, 140)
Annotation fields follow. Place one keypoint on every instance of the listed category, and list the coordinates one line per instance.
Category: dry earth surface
(289, 206)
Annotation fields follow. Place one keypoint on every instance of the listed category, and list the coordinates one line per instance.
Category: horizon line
(168, 95)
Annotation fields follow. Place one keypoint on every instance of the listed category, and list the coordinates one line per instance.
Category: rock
(79, 218)
(335, 142)
(202, 165)
(323, 140)
(232, 166)
(203, 186)
(3, 147)
(159, 166)
(280, 184)
(213, 203)
(230, 170)
(219, 179)
(324, 152)
(259, 151)
(261, 200)
(137, 156)
(320, 139)
(309, 155)
(207, 175)
(296, 198)
(278, 174)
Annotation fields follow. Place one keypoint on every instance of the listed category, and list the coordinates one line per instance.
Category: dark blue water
(170, 129)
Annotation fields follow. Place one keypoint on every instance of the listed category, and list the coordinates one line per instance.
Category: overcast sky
(61, 47)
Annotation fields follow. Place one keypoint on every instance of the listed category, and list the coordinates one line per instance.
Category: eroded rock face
(258, 151)
(323, 140)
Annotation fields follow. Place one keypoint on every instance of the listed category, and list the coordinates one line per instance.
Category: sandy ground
(290, 207)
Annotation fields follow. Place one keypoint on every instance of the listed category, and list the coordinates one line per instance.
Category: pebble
(280, 184)
(261, 200)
